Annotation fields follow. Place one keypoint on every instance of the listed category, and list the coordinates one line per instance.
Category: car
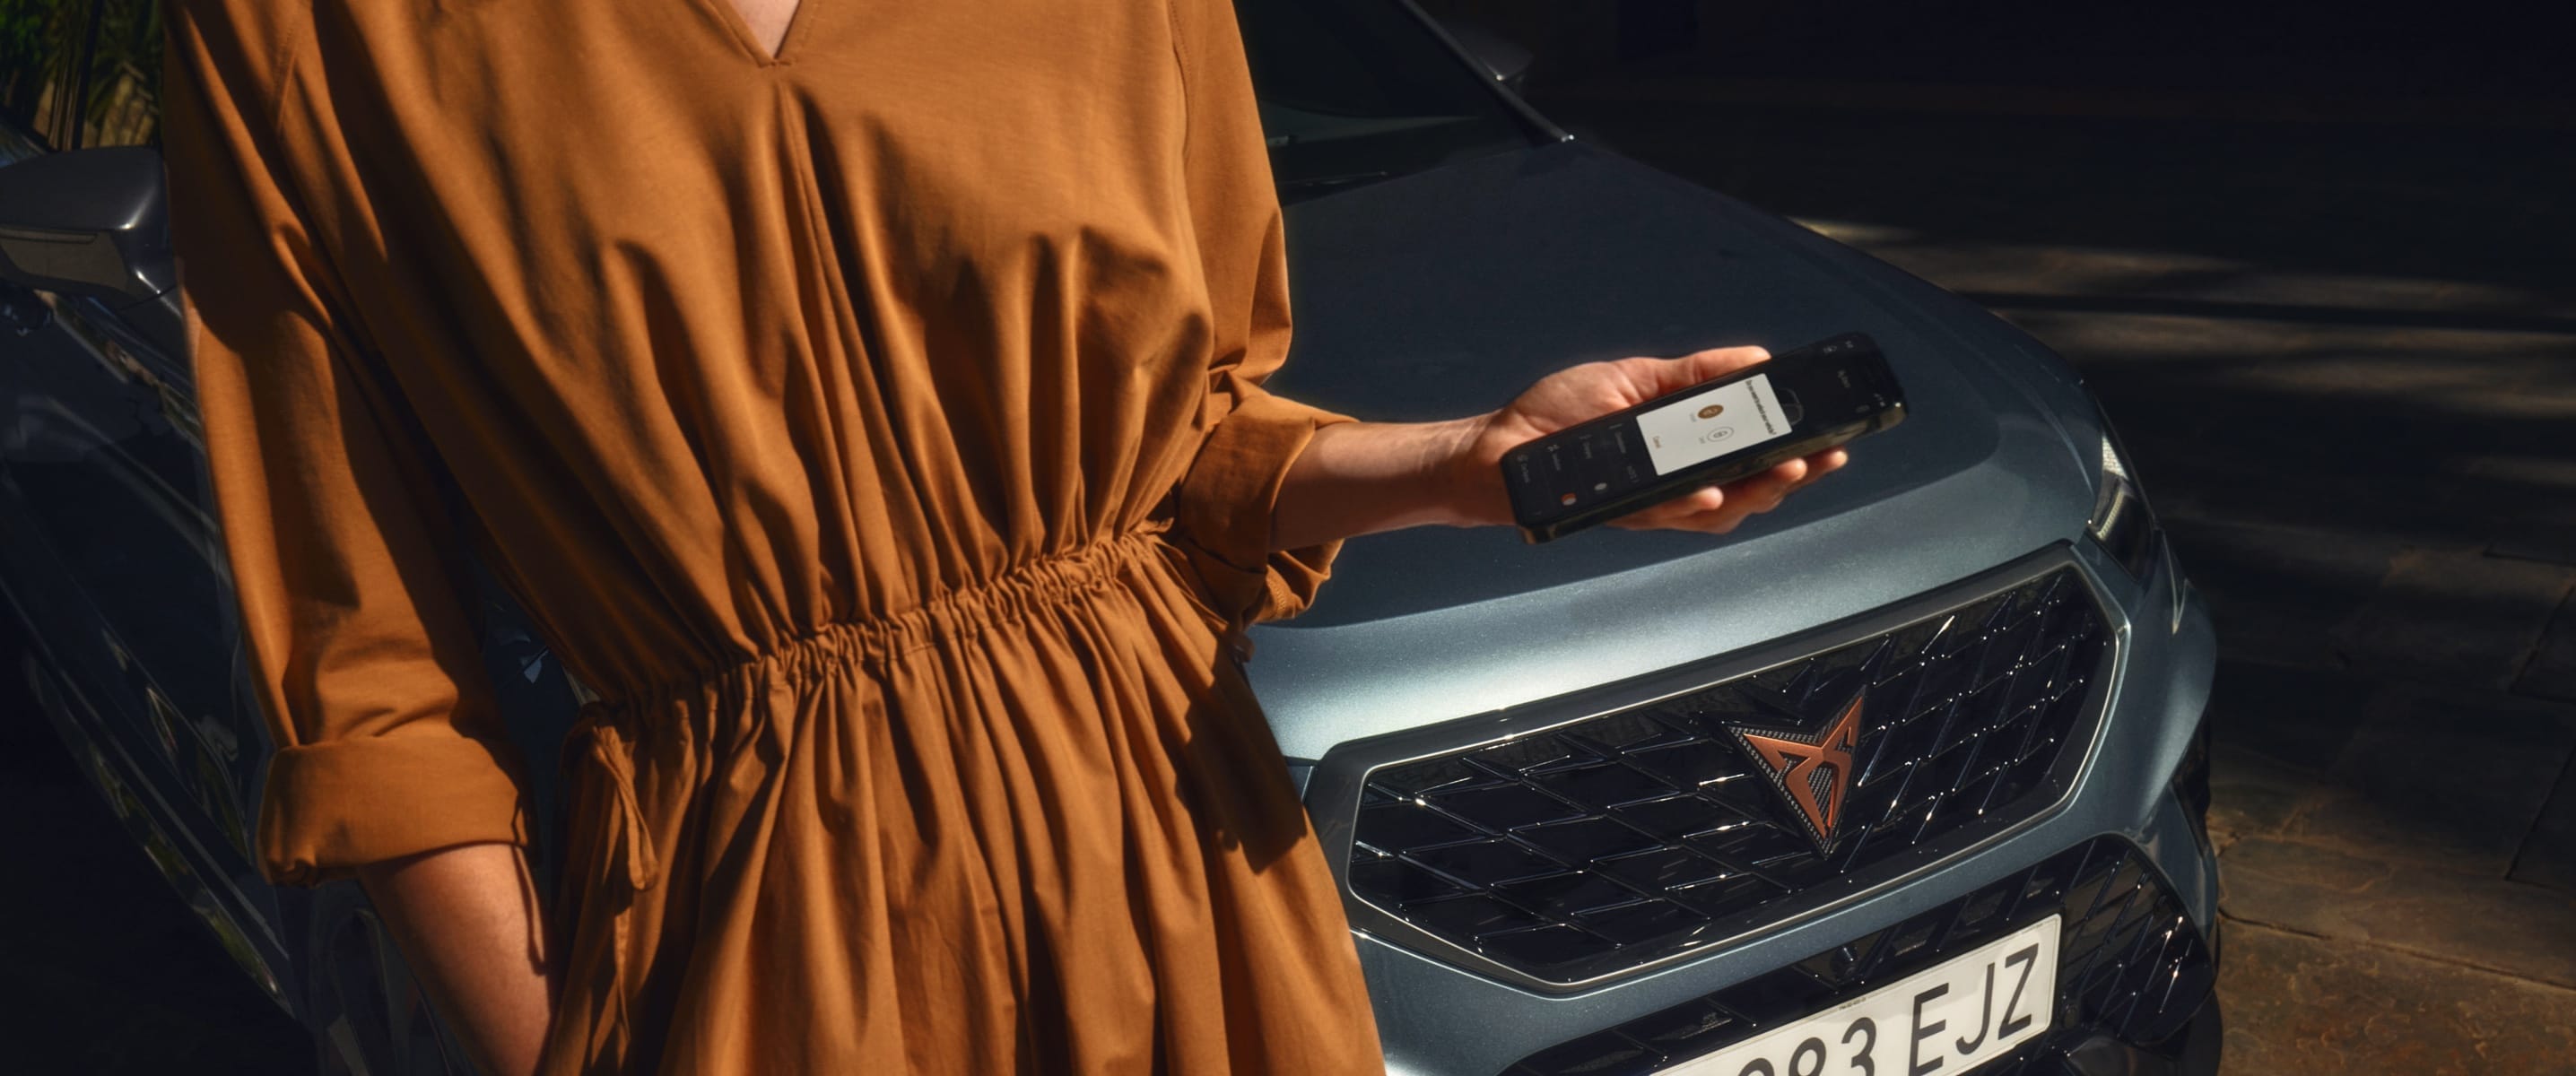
(1908, 775)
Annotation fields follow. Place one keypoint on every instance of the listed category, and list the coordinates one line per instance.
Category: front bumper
(2133, 972)
(2192, 1051)
(1438, 1020)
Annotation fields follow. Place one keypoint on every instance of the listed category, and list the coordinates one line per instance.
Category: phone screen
(1728, 418)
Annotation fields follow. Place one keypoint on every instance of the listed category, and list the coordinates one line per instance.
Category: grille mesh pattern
(1604, 845)
(2130, 965)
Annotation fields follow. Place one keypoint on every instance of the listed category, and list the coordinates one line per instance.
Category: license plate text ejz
(1945, 1020)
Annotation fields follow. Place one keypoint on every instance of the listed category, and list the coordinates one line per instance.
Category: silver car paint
(1437, 1020)
(1998, 460)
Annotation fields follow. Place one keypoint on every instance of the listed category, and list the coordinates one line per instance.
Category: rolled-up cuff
(1225, 506)
(332, 807)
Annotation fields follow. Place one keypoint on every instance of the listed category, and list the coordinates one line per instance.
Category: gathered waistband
(608, 724)
(963, 612)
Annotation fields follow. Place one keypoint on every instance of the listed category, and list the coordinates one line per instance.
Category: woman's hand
(1363, 477)
(1579, 394)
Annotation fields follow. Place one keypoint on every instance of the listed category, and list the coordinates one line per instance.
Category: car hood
(1445, 293)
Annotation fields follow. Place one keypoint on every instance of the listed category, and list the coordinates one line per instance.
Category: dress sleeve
(354, 603)
(1225, 502)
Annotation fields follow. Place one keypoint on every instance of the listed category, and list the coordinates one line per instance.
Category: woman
(865, 400)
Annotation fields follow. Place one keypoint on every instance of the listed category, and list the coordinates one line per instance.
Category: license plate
(1949, 1018)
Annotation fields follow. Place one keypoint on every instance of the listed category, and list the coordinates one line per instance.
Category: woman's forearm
(467, 920)
(1359, 478)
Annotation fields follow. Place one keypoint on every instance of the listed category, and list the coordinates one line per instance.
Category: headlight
(2121, 521)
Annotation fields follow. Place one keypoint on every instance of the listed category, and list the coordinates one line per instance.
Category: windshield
(1354, 91)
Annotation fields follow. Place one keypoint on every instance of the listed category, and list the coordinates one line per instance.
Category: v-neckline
(740, 28)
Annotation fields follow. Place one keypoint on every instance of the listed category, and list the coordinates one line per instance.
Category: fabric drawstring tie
(609, 746)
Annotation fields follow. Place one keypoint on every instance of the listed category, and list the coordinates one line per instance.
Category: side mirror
(91, 222)
(1506, 61)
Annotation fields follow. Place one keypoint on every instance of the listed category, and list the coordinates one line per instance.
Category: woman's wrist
(1359, 478)
(1471, 473)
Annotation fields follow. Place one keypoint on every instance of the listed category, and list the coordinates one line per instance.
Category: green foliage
(37, 38)
(40, 46)
(125, 74)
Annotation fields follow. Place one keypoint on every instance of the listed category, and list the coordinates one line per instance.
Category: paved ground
(2344, 354)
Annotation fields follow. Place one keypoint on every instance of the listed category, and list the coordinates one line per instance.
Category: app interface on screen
(1707, 425)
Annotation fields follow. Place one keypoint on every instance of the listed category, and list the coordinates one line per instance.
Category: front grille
(2130, 965)
(1604, 845)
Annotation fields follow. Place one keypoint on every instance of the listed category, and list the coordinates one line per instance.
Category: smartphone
(1793, 404)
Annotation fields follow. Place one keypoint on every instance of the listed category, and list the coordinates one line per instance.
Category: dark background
(2265, 232)
(102, 969)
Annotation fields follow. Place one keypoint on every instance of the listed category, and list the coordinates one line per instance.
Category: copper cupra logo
(1812, 770)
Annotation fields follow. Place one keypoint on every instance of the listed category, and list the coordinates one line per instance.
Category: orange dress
(877, 428)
